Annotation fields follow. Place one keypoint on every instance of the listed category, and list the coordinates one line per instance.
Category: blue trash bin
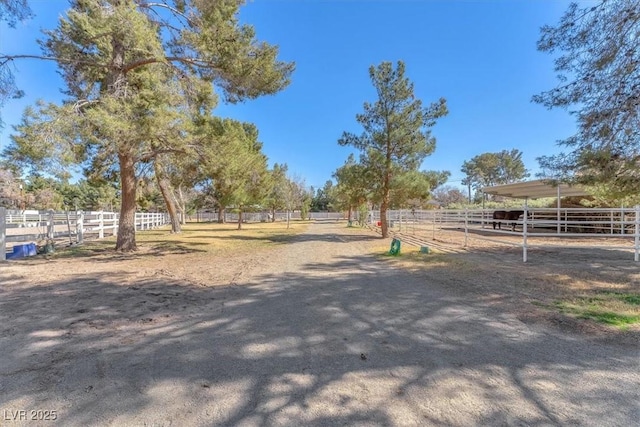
(22, 251)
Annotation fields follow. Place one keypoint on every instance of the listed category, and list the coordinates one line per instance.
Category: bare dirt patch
(309, 327)
(572, 269)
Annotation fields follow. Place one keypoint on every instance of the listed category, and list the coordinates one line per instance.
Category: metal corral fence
(32, 226)
(202, 216)
(536, 227)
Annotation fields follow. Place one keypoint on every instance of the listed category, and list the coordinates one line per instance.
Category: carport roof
(535, 190)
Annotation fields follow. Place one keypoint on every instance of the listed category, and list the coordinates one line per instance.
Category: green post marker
(395, 247)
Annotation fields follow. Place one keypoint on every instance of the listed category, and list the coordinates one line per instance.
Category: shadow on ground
(351, 342)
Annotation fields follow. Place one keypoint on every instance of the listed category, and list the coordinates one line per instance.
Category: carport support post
(524, 230)
(3, 234)
(637, 231)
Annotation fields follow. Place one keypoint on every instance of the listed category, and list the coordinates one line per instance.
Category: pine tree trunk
(384, 206)
(240, 220)
(273, 215)
(126, 241)
(383, 216)
(220, 215)
(165, 190)
(350, 212)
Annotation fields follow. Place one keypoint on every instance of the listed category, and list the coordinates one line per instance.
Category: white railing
(543, 225)
(32, 226)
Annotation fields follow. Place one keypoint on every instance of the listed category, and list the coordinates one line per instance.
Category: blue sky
(478, 54)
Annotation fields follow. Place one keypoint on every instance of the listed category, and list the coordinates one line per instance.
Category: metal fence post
(612, 220)
(79, 227)
(3, 234)
(433, 225)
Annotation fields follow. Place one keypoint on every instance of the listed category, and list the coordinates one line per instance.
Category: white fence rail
(534, 228)
(31, 226)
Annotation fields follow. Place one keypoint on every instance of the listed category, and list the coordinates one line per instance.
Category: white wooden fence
(32, 226)
(536, 228)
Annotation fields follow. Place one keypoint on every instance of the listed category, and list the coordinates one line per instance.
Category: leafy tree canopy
(323, 199)
(448, 196)
(489, 169)
(235, 164)
(598, 70)
(352, 188)
(278, 183)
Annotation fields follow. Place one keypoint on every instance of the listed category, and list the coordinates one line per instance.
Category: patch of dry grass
(612, 308)
(207, 238)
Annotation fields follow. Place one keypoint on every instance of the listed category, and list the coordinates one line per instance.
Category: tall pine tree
(397, 135)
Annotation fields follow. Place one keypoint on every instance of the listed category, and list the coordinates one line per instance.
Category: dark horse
(507, 216)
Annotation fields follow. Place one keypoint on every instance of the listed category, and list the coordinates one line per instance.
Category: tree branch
(155, 153)
(188, 61)
(7, 58)
(173, 10)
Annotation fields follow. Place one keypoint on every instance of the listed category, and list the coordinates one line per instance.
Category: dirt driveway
(320, 331)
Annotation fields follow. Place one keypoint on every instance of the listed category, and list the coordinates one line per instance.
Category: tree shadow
(306, 237)
(355, 341)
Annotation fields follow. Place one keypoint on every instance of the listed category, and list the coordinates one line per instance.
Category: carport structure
(535, 189)
(544, 188)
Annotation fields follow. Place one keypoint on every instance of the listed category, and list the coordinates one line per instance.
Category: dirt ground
(319, 330)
